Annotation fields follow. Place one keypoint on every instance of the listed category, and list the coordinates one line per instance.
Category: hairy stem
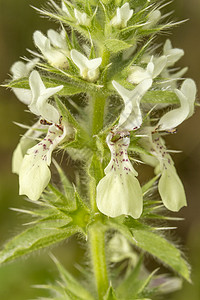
(98, 113)
(97, 249)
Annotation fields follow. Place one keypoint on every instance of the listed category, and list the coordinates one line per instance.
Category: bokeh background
(18, 21)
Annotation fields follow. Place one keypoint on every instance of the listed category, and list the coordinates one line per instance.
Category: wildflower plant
(104, 94)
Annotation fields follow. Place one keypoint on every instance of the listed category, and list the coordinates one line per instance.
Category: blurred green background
(18, 21)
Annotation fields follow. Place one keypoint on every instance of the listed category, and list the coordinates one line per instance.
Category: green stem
(97, 249)
(98, 113)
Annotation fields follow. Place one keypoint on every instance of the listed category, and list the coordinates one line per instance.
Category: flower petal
(175, 117)
(189, 89)
(26, 141)
(40, 95)
(171, 189)
(123, 14)
(131, 116)
(55, 57)
(118, 195)
(88, 68)
(34, 176)
(119, 192)
(173, 54)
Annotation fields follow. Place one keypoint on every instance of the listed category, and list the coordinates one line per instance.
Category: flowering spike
(119, 192)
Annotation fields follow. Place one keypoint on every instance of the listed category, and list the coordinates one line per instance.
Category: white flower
(131, 116)
(19, 70)
(32, 167)
(153, 69)
(153, 19)
(40, 94)
(173, 54)
(89, 69)
(175, 117)
(170, 186)
(122, 16)
(54, 47)
(82, 18)
(119, 192)
(34, 173)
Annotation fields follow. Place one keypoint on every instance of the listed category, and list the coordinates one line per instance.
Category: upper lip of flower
(40, 95)
(131, 116)
(176, 116)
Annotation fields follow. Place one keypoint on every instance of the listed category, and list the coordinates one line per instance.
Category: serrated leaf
(40, 236)
(162, 249)
(143, 237)
(114, 45)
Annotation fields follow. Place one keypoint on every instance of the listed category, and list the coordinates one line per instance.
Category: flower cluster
(119, 191)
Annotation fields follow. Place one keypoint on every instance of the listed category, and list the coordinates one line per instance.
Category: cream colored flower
(119, 192)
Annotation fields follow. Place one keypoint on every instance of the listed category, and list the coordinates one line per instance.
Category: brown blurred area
(18, 21)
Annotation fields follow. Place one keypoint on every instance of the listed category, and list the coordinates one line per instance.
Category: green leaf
(168, 97)
(115, 45)
(40, 236)
(70, 87)
(144, 238)
(162, 249)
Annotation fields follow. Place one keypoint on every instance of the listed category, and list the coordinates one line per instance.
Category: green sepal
(128, 285)
(40, 236)
(110, 295)
(149, 184)
(144, 238)
(81, 216)
(115, 45)
(70, 285)
(67, 187)
(96, 169)
(133, 286)
(58, 198)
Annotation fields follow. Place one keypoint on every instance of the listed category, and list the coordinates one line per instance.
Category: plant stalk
(97, 249)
